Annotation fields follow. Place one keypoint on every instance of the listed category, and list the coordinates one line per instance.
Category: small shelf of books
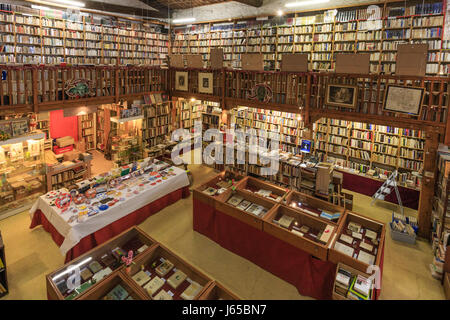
(300, 230)
(263, 189)
(245, 206)
(321, 209)
(352, 284)
(359, 242)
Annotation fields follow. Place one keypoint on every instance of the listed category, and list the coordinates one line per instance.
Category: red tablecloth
(312, 277)
(108, 232)
(368, 187)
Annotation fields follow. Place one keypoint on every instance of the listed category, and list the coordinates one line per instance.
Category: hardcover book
(344, 249)
(366, 257)
(355, 227)
(141, 278)
(101, 274)
(95, 266)
(285, 221)
(163, 295)
(235, 200)
(192, 291)
(154, 285)
(210, 191)
(164, 268)
(118, 293)
(244, 205)
(85, 274)
(366, 246)
(347, 239)
(176, 279)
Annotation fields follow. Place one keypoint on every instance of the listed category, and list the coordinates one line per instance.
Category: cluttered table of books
(289, 225)
(116, 196)
(132, 266)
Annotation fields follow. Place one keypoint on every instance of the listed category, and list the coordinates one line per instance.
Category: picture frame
(205, 82)
(402, 99)
(339, 95)
(5, 126)
(19, 127)
(181, 81)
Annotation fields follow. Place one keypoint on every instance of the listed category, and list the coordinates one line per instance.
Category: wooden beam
(253, 3)
(93, 5)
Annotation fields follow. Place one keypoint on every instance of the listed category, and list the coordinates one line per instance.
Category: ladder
(386, 189)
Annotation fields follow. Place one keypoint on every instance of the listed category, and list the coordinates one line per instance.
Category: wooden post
(35, 90)
(428, 182)
(117, 91)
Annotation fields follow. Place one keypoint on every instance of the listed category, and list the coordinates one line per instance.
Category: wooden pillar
(117, 84)
(34, 89)
(428, 182)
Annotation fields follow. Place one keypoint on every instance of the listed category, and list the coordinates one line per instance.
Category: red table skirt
(368, 187)
(312, 277)
(111, 230)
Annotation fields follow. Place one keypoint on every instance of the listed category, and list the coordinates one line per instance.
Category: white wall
(232, 10)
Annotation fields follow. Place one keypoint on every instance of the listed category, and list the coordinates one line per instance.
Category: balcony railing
(43, 87)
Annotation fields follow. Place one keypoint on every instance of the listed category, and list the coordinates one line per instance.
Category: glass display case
(263, 189)
(22, 172)
(97, 265)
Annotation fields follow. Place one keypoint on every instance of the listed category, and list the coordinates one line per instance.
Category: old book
(362, 285)
(347, 239)
(141, 278)
(163, 295)
(371, 234)
(326, 234)
(366, 246)
(142, 249)
(344, 249)
(357, 235)
(355, 227)
(86, 274)
(192, 291)
(297, 233)
(304, 229)
(118, 293)
(210, 191)
(95, 266)
(285, 221)
(343, 276)
(235, 200)
(366, 257)
(101, 274)
(176, 279)
(244, 205)
(154, 285)
(164, 268)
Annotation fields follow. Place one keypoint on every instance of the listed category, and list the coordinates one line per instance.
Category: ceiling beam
(253, 3)
(93, 5)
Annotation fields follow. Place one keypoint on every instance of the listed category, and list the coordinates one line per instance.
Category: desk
(76, 238)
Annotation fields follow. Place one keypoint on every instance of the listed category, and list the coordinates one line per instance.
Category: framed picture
(401, 99)
(19, 127)
(5, 127)
(205, 83)
(181, 81)
(343, 96)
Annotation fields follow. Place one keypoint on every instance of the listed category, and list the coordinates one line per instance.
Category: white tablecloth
(75, 231)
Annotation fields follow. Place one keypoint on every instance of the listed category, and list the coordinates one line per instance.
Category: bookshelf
(37, 39)
(3, 274)
(67, 174)
(157, 124)
(321, 35)
(440, 218)
(87, 130)
(373, 150)
(100, 129)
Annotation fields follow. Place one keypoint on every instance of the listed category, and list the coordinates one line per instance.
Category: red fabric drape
(113, 229)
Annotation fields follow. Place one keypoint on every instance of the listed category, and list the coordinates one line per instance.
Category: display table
(312, 277)
(76, 238)
(368, 187)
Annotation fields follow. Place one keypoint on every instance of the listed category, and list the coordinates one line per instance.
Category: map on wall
(403, 99)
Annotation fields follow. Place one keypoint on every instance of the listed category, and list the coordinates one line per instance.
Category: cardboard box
(71, 155)
(324, 177)
(296, 62)
(194, 61)
(65, 141)
(216, 58)
(411, 60)
(356, 63)
(176, 61)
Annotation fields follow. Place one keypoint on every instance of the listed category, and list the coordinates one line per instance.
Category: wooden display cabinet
(3, 275)
(99, 291)
(317, 249)
(216, 291)
(314, 205)
(210, 200)
(251, 183)
(447, 285)
(121, 240)
(336, 256)
(337, 296)
(244, 216)
(155, 254)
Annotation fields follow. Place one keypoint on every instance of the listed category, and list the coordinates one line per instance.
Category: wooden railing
(39, 88)
(35, 88)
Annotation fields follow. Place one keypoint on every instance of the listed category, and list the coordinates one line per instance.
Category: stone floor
(32, 254)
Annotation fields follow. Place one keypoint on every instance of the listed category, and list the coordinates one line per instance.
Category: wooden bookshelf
(157, 124)
(3, 272)
(321, 35)
(87, 132)
(66, 174)
(35, 39)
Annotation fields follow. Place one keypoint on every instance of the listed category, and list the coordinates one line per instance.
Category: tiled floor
(31, 254)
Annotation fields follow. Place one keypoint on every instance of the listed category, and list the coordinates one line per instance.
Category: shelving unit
(371, 149)
(87, 130)
(322, 35)
(3, 273)
(156, 124)
(37, 39)
(67, 174)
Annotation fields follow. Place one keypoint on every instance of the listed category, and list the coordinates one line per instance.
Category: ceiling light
(304, 3)
(40, 7)
(280, 13)
(69, 2)
(184, 20)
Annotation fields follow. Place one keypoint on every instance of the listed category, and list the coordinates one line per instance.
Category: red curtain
(61, 126)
